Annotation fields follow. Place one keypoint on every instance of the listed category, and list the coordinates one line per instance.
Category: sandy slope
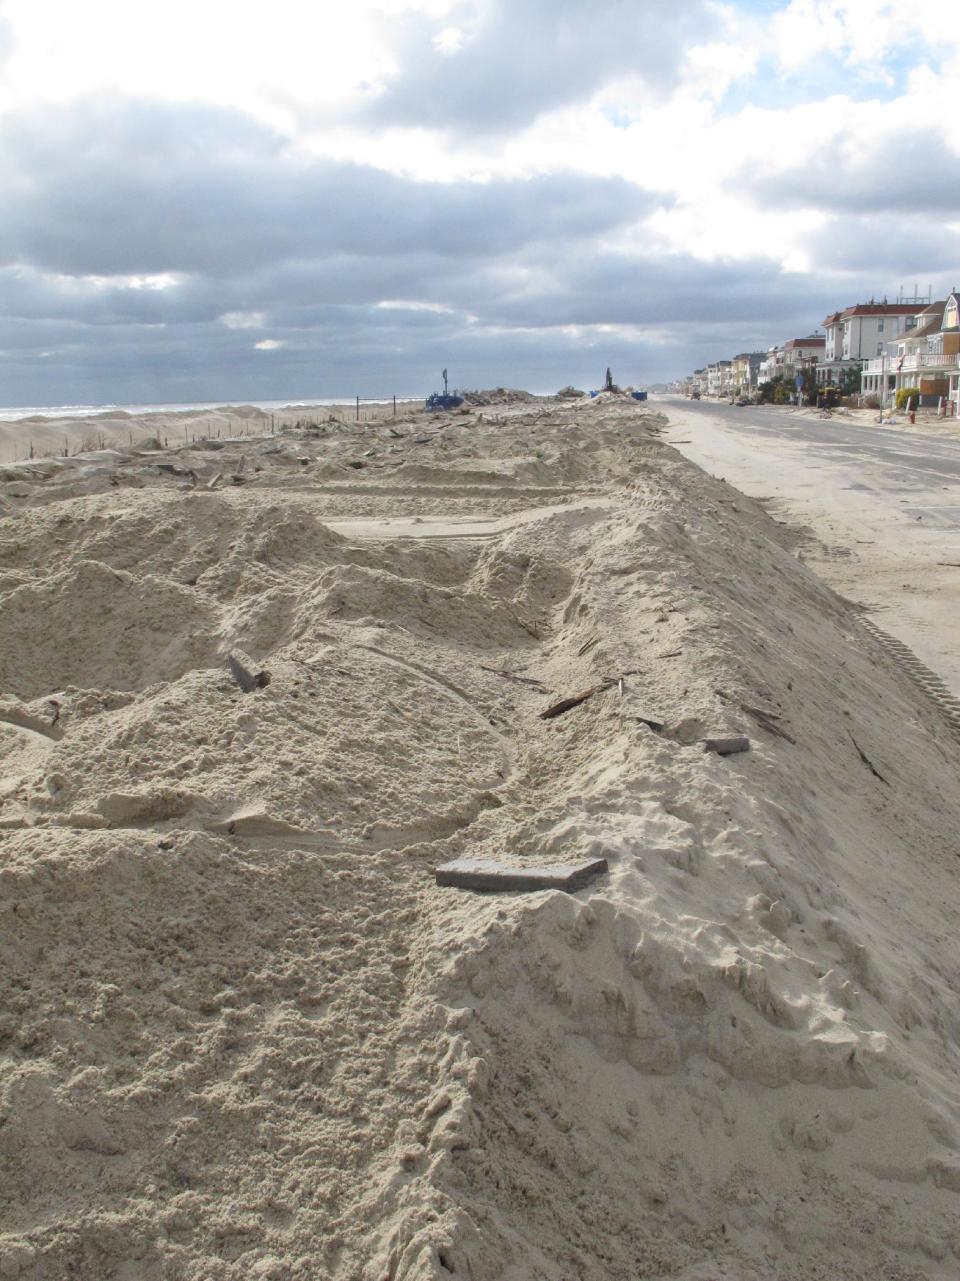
(246, 1036)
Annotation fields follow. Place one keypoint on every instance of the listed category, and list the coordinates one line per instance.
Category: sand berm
(244, 1035)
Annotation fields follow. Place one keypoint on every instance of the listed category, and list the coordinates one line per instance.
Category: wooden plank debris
(488, 876)
(867, 761)
(513, 676)
(247, 681)
(726, 746)
(767, 720)
(567, 704)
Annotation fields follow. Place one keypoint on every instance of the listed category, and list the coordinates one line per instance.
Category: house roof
(830, 320)
(880, 309)
(931, 326)
(812, 341)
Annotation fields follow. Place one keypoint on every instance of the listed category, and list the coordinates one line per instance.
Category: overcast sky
(239, 200)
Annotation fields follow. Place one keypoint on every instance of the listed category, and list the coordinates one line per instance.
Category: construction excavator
(445, 399)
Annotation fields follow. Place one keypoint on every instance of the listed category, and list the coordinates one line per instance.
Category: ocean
(17, 413)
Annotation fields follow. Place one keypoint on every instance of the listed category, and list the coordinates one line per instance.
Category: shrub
(775, 392)
(908, 393)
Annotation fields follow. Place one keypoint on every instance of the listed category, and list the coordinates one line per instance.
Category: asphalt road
(905, 459)
(884, 505)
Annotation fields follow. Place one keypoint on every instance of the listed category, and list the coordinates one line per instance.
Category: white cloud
(209, 168)
(242, 319)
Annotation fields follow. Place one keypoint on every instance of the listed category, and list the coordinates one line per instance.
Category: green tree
(775, 391)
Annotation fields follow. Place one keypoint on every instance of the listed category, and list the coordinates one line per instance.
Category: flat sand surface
(245, 1035)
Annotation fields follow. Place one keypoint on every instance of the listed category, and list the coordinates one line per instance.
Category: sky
(232, 200)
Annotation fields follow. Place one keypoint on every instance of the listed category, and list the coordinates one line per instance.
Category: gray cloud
(514, 275)
(910, 172)
(909, 247)
(152, 188)
(525, 59)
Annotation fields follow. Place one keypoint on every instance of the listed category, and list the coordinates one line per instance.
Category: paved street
(884, 504)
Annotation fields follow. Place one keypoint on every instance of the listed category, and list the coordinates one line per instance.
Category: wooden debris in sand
(247, 681)
(726, 746)
(763, 716)
(567, 704)
(488, 876)
(767, 720)
(867, 761)
(513, 676)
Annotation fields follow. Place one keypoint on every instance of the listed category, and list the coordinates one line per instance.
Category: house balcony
(915, 361)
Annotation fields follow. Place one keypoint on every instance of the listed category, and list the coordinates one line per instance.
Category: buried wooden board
(485, 874)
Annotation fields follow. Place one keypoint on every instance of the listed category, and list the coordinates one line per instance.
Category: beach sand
(246, 1035)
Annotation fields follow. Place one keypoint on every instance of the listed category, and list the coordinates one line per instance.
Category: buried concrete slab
(486, 875)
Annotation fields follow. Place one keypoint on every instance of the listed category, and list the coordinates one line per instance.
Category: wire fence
(65, 437)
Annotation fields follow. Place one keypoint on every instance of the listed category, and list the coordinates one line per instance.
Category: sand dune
(247, 1036)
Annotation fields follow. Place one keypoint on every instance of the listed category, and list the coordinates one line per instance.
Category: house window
(879, 326)
(879, 348)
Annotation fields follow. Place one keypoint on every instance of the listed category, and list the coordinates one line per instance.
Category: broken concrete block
(726, 746)
(485, 874)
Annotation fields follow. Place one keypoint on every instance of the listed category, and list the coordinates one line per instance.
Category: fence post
(357, 418)
(394, 406)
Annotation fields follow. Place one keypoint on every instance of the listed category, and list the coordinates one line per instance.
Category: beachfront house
(769, 364)
(858, 334)
(950, 349)
(718, 378)
(924, 356)
(801, 355)
(744, 371)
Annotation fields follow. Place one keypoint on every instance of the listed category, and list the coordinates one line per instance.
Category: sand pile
(244, 1033)
(51, 440)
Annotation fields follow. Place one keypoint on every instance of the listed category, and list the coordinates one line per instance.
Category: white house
(860, 333)
(923, 355)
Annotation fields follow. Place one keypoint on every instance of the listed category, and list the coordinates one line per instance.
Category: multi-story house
(743, 372)
(950, 335)
(718, 378)
(769, 364)
(858, 334)
(801, 354)
(924, 356)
